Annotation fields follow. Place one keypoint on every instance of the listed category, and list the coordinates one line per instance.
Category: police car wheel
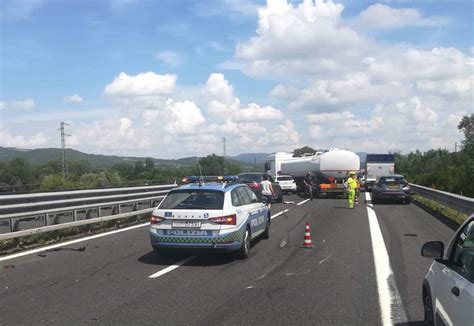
(266, 233)
(244, 251)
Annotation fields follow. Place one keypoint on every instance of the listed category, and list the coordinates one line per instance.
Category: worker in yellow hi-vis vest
(351, 188)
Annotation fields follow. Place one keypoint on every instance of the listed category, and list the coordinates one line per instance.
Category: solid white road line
(302, 202)
(389, 299)
(172, 267)
(278, 214)
(62, 244)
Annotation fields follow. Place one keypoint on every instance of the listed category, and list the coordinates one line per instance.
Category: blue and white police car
(209, 216)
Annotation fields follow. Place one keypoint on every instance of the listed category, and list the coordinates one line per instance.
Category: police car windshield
(193, 199)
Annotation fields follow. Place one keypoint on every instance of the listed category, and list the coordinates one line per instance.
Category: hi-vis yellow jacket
(351, 184)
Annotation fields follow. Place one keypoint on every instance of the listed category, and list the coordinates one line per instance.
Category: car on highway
(391, 187)
(287, 183)
(214, 216)
(448, 287)
(253, 179)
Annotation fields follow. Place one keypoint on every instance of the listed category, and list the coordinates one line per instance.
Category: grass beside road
(437, 208)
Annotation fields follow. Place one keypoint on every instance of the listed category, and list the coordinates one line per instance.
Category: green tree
(89, 180)
(303, 150)
(126, 170)
(149, 164)
(55, 182)
(139, 167)
(212, 165)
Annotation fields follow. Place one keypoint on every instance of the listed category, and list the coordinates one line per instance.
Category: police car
(209, 216)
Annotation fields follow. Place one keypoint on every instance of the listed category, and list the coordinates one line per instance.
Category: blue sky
(57, 58)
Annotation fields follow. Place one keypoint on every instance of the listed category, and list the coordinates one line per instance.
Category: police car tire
(244, 251)
(266, 233)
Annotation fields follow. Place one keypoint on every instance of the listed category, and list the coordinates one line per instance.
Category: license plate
(186, 224)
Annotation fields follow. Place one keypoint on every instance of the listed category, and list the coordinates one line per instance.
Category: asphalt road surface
(345, 280)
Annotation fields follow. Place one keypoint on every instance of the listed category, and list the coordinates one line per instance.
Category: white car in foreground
(287, 183)
(448, 289)
(215, 216)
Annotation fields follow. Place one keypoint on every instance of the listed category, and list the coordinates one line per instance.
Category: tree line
(441, 169)
(19, 175)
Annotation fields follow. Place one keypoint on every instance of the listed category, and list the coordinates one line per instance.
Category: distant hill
(44, 155)
(252, 158)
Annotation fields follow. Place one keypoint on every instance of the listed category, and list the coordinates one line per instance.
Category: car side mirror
(433, 249)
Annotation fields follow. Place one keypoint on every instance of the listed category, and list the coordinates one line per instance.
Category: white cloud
(170, 58)
(75, 99)
(382, 16)
(255, 112)
(183, 117)
(114, 134)
(9, 140)
(26, 104)
(329, 117)
(142, 84)
(219, 89)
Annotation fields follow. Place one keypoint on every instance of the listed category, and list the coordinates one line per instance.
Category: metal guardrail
(457, 202)
(22, 215)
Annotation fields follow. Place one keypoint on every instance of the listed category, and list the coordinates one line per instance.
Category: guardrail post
(74, 215)
(98, 211)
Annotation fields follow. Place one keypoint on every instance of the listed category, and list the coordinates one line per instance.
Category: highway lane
(405, 229)
(108, 282)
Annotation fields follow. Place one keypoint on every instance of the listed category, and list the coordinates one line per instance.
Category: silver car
(448, 289)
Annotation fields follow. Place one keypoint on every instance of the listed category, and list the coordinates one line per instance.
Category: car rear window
(392, 180)
(193, 199)
(284, 178)
(244, 178)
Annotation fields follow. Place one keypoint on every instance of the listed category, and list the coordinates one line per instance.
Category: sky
(171, 78)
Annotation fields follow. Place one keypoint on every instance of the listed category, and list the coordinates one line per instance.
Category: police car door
(256, 221)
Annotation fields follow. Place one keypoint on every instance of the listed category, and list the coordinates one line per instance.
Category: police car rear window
(193, 199)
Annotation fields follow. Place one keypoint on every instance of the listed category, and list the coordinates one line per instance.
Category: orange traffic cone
(307, 238)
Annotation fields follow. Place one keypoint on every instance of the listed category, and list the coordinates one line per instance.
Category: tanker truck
(329, 169)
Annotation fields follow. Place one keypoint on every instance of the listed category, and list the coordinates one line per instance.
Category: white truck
(378, 165)
(329, 169)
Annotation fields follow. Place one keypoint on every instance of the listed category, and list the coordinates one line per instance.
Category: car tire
(407, 201)
(266, 233)
(244, 251)
(374, 200)
(428, 308)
